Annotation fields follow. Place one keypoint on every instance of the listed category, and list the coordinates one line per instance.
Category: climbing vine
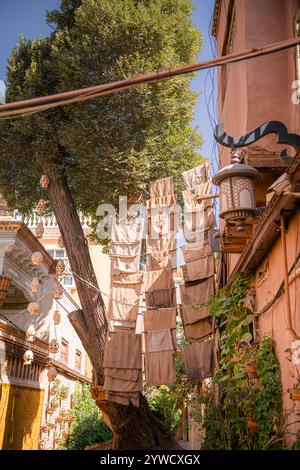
(247, 413)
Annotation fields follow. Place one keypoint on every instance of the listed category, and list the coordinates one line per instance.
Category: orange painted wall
(20, 417)
(274, 320)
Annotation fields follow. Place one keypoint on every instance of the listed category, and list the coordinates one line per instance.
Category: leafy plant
(164, 405)
(87, 426)
(241, 398)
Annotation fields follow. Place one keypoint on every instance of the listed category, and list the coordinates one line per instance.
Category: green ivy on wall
(248, 412)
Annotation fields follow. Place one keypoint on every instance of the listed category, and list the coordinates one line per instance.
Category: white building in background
(17, 243)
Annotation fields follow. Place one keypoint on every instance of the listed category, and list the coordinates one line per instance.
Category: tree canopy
(117, 143)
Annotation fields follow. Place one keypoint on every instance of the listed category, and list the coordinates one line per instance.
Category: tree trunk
(134, 428)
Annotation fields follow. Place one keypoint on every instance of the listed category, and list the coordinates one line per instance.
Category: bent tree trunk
(134, 428)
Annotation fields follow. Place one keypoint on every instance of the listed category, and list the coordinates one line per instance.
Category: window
(78, 358)
(68, 281)
(64, 351)
(58, 254)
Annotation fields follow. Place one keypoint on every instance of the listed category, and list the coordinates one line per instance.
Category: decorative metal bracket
(269, 127)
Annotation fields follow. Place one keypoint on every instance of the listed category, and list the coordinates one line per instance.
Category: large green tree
(97, 150)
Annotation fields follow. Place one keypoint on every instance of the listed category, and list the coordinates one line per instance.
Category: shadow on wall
(20, 417)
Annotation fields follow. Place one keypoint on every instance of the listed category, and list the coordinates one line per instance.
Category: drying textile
(198, 330)
(191, 314)
(197, 294)
(159, 340)
(112, 384)
(191, 251)
(197, 175)
(123, 324)
(127, 233)
(123, 351)
(154, 245)
(201, 268)
(198, 360)
(123, 374)
(162, 201)
(203, 190)
(161, 224)
(160, 368)
(199, 220)
(125, 249)
(162, 187)
(162, 298)
(158, 279)
(125, 279)
(159, 319)
(130, 264)
(123, 302)
(161, 259)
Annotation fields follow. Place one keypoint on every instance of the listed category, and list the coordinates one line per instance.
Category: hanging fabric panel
(162, 187)
(197, 175)
(123, 351)
(201, 268)
(124, 249)
(124, 265)
(198, 360)
(160, 368)
(161, 244)
(159, 340)
(161, 259)
(197, 331)
(158, 279)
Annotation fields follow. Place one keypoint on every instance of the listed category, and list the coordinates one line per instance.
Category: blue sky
(28, 17)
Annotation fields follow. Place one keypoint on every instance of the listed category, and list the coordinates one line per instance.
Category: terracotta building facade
(250, 93)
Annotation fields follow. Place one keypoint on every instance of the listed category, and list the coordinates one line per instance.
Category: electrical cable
(74, 96)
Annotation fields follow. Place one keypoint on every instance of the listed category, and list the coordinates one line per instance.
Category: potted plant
(247, 356)
(45, 427)
(62, 413)
(64, 392)
(49, 410)
(252, 425)
(54, 404)
(59, 419)
(295, 391)
(52, 391)
(52, 425)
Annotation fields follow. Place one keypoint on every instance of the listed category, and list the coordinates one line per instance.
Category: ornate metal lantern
(237, 192)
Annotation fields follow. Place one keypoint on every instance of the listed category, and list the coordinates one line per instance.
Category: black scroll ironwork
(269, 127)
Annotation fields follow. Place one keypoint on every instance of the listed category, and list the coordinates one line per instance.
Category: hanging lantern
(37, 258)
(41, 205)
(60, 242)
(33, 308)
(237, 192)
(4, 287)
(35, 283)
(30, 334)
(52, 373)
(39, 230)
(56, 317)
(28, 357)
(44, 182)
(58, 291)
(60, 267)
(53, 346)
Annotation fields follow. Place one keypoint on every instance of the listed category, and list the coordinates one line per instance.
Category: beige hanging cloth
(159, 340)
(123, 351)
(197, 331)
(112, 384)
(198, 220)
(123, 374)
(195, 176)
(123, 325)
(201, 268)
(162, 187)
(161, 202)
(160, 319)
(162, 224)
(195, 198)
(191, 251)
(123, 302)
(158, 279)
(130, 264)
(124, 249)
(198, 360)
(191, 314)
(162, 298)
(127, 233)
(126, 279)
(203, 190)
(195, 296)
(160, 368)
(161, 244)
(161, 259)
(125, 399)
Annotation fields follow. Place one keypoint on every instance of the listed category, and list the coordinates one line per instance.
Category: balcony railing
(50, 221)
